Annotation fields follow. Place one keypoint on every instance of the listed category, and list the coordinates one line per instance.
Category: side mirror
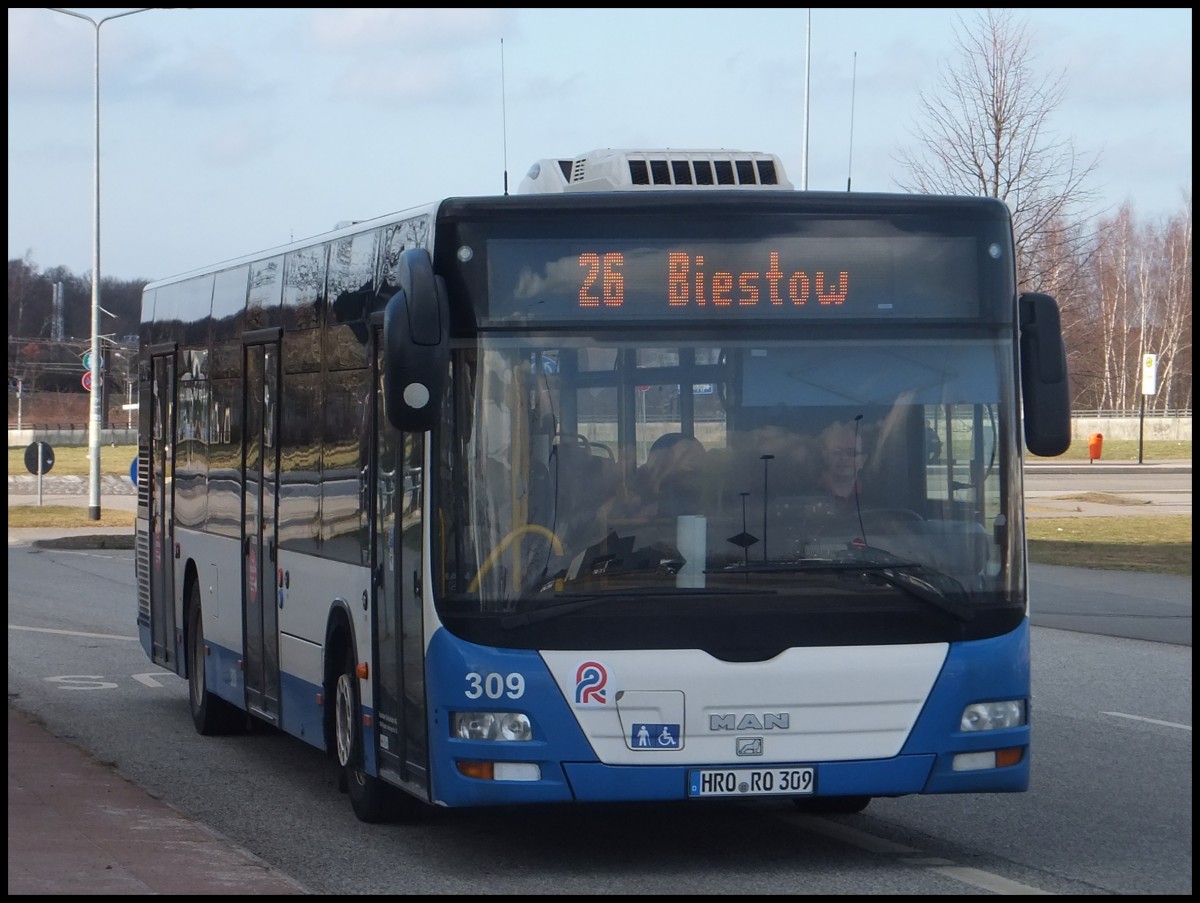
(416, 324)
(1044, 389)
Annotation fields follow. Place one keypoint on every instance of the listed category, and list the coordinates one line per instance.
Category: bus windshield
(782, 476)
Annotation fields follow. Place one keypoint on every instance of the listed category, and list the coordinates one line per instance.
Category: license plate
(752, 781)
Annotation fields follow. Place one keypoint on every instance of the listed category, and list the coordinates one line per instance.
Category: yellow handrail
(555, 543)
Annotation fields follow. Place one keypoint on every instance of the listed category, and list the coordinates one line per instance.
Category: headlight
(490, 726)
(991, 716)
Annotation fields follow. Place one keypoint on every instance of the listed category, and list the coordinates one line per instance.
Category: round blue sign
(133, 472)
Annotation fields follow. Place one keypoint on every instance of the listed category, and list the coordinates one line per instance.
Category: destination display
(785, 278)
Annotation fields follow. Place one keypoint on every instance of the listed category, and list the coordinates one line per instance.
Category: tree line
(50, 331)
(1124, 286)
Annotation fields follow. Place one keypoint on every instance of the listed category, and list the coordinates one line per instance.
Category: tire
(210, 714)
(832, 805)
(370, 797)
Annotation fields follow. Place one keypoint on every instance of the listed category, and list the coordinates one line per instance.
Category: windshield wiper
(566, 603)
(919, 580)
(923, 589)
(916, 579)
(793, 567)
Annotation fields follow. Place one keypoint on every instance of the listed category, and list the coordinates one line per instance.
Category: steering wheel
(898, 515)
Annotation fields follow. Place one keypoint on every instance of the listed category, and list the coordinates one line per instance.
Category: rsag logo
(590, 680)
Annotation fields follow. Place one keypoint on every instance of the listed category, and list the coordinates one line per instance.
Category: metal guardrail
(1117, 415)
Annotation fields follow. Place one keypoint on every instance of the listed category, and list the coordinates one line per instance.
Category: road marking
(1182, 727)
(860, 839)
(98, 636)
(911, 856)
(149, 678)
(988, 881)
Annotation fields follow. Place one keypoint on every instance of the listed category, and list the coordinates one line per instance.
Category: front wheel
(369, 796)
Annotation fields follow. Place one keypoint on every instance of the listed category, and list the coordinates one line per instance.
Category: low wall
(69, 438)
(1176, 429)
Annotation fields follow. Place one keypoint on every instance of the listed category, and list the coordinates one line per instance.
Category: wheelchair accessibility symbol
(655, 736)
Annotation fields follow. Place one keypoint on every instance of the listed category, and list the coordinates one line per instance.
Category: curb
(87, 541)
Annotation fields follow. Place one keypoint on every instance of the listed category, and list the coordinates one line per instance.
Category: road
(1053, 490)
(1109, 810)
(1152, 491)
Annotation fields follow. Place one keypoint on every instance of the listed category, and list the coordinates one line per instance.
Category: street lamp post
(96, 416)
(766, 459)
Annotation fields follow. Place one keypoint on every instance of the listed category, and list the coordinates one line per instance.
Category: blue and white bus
(526, 498)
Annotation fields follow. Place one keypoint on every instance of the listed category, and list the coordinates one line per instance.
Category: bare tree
(1164, 276)
(1179, 368)
(986, 131)
(22, 274)
(1140, 302)
(1118, 312)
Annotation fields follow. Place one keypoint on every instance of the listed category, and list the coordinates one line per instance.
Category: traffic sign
(87, 360)
(36, 450)
(1149, 374)
(87, 381)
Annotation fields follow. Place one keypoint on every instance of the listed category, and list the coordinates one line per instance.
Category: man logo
(749, 722)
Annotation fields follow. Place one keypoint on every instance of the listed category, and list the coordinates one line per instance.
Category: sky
(224, 132)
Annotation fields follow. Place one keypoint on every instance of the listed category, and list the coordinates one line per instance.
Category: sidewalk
(75, 826)
(1054, 465)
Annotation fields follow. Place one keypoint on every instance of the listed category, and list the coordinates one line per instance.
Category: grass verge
(68, 516)
(72, 460)
(1160, 544)
(1125, 451)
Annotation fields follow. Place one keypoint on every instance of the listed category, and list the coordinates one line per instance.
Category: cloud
(405, 31)
(425, 80)
(36, 58)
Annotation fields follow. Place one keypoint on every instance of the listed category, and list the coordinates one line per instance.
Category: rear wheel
(832, 805)
(369, 796)
(210, 714)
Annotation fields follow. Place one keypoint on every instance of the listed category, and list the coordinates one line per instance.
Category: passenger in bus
(671, 482)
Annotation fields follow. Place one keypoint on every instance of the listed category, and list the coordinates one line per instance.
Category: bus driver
(842, 459)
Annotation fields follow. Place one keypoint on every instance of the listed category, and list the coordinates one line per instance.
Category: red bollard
(1095, 446)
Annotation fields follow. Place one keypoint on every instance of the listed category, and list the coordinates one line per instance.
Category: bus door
(161, 468)
(397, 567)
(260, 479)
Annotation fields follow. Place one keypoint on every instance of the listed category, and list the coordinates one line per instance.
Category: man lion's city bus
(526, 498)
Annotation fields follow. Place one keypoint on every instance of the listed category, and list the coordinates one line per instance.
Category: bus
(656, 479)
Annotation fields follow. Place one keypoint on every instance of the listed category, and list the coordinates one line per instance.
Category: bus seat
(584, 481)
